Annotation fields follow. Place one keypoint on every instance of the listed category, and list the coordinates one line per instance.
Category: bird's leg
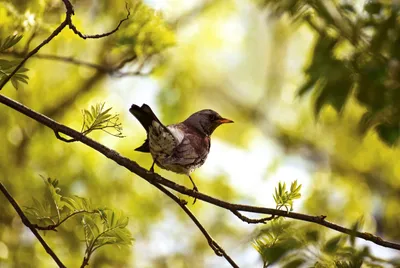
(152, 167)
(194, 185)
(194, 188)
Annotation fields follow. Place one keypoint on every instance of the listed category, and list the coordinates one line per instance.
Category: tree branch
(113, 71)
(155, 178)
(252, 221)
(219, 251)
(70, 12)
(28, 224)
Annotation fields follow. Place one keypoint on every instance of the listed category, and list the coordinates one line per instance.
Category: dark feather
(144, 148)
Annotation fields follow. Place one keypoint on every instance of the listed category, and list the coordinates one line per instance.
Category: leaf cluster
(99, 118)
(7, 67)
(285, 198)
(105, 228)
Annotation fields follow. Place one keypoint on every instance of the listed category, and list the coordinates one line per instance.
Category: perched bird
(181, 147)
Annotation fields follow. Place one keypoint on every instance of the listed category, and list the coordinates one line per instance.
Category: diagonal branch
(219, 251)
(155, 178)
(28, 224)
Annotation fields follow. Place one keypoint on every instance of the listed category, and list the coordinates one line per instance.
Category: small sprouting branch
(284, 198)
(65, 208)
(28, 224)
(99, 119)
(112, 232)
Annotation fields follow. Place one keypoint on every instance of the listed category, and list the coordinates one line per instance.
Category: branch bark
(155, 178)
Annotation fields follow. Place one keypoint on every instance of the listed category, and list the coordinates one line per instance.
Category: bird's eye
(213, 117)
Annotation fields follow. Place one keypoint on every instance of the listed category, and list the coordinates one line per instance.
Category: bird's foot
(183, 202)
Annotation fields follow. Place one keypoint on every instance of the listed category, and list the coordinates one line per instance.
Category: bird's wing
(193, 150)
(164, 139)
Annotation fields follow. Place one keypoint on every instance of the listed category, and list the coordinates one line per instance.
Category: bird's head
(206, 121)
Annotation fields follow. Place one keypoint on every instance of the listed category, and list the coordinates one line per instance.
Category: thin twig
(113, 71)
(252, 221)
(54, 226)
(155, 178)
(28, 224)
(95, 36)
(219, 251)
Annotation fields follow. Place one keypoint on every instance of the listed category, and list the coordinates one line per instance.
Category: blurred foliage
(305, 245)
(355, 55)
(6, 67)
(248, 60)
(146, 33)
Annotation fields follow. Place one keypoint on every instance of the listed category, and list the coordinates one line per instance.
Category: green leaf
(388, 133)
(295, 263)
(312, 235)
(9, 42)
(14, 83)
(332, 244)
(307, 86)
(354, 228)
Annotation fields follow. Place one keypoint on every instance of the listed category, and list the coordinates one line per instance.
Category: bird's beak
(223, 121)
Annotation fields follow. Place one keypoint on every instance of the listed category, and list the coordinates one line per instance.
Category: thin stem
(53, 227)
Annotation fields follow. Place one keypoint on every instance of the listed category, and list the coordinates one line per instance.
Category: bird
(181, 147)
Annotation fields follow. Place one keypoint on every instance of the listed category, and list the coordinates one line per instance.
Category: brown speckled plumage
(181, 147)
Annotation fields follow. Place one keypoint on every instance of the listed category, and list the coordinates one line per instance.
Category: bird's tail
(146, 117)
(144, 147)
(144, 114)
